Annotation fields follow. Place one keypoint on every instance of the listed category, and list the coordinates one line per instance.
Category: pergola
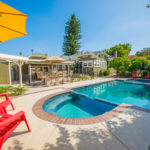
(18, 60)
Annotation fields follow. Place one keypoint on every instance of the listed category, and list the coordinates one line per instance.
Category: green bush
(18, 90)
(100, 73)
(106, 72)
(72, 79)
(122, 74)
(129, 74)
(92, 77)
(145, 73)
(148, 68)
(4, 89)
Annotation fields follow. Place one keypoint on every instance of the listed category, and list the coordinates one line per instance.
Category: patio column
(68, 69)
(20, 75)
(9, 68)
(52, 67)
(30, 75)
(20, 63)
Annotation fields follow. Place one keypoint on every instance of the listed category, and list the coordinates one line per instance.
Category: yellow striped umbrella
(12, 23)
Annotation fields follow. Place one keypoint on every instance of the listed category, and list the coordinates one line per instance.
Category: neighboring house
(89, 63)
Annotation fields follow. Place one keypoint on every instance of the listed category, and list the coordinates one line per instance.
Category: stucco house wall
(4, 73)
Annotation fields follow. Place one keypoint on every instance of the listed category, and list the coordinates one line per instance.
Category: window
(45, 69)
(96, 63)
(57, 67)
(85, 64)
(63, 67)
(90, 64)
(104, 64)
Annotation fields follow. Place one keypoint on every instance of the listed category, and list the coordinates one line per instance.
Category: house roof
(38, 56)
(55, 59)
(77, 55)
(12, 57)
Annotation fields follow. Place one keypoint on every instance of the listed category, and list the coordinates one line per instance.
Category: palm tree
(148, 6)
(32, 50)
(20, 53)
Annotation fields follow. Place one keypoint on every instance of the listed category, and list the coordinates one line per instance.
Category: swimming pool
(118, 92)
(139, 81)
(72, 105)
(94, 100)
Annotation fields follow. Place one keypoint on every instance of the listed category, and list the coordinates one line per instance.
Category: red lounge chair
(6, 102)
(147, 77)
(8, 124)
(134, 75)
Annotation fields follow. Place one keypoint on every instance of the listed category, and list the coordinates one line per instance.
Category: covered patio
(49, 70)
(19, 70)
(11, 61)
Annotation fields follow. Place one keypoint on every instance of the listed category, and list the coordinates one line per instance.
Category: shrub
(92, 77)
(100, 73)
(106, 72)
(129, 74)
(18, 90)
(122, 74)
(72, 79)
(145, 73)
(148, 68)
(4, 89)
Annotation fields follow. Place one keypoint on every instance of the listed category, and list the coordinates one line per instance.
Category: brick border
(40, 113)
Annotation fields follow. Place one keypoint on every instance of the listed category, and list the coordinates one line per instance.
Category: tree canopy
(71, 44)
(144, 52)
(123, 50)
(125, 64)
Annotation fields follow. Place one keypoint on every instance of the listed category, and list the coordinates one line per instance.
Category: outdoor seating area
(135, 75)
(55, 77)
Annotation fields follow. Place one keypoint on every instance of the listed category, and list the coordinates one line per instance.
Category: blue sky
(104, 23)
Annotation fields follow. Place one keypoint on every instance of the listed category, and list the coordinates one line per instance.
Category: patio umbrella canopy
(55, 59)
(12, 23)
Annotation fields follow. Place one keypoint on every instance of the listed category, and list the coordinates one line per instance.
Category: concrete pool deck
(129, 130)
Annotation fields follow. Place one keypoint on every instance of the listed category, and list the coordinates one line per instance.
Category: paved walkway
(129, 130)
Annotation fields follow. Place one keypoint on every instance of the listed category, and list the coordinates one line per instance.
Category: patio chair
(134, 75)
(147, 77)
(6, 102)
(8, 124)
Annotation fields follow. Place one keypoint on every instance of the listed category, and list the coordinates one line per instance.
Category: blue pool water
(119, 92)
(71, 105)
(139, 81)
(98, 99)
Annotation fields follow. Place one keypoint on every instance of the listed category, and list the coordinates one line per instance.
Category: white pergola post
(20, 75)
(9, 68)
(52, 67)
(68, 71)
(30, 75)
(20, 63)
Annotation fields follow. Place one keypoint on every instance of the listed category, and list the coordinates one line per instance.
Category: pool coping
(40, 113)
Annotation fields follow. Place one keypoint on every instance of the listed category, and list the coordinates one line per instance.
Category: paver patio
(129, 130)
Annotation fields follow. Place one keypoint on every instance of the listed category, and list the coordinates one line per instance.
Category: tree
(123, 50)
(137, 62)
(32, 50)
(71, 44)
(144, 52)
(123, 64)
(20, 53)
(120, 64)
(148, 6)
